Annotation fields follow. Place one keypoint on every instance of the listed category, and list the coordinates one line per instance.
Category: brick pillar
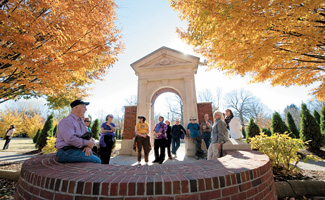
(130, 120)
(202, 109)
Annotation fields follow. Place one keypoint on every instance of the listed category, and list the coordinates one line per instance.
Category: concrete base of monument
(126, 147)
(233, 144)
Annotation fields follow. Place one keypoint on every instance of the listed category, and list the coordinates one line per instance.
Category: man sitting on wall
(69, 143)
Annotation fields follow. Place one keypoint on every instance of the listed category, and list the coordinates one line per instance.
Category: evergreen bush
(252, 130)
(95, 129)
(35, 138)
(267, 131)
(55, 130)
(322, 124)
(310, 129)
(317, 116)
(292, 125)
(278, 125)
(46, 132)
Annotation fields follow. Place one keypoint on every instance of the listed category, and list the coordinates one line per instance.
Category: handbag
(87, 135)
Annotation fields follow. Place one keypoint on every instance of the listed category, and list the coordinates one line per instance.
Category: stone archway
(165, 70)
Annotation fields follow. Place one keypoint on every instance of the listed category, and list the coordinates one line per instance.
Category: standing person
(219, 136)
(106, 141)
(142, 139)
(206, 128)
(169, 139)
(160, 140)
(87, 123)
(8, 136)
(176, 132)
(193, 131)
(71, 147)
(233, 125)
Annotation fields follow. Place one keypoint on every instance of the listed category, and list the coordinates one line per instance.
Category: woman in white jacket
(233, 125)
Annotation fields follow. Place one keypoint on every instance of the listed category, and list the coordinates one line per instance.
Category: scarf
(227, 120)
(158, 127)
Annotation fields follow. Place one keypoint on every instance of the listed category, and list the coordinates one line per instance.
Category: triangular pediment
(165, 57)
(165, 60)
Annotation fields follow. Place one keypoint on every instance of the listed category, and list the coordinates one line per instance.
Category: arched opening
(168, 103)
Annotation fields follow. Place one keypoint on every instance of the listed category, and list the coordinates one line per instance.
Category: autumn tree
(55, 48)
(278, 41)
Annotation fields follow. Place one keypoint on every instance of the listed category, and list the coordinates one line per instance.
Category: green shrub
(95, 129)
(35, 138)
(317, 116)
(322, 124)
(310, 129)
(282, 151)
(267, 131)
(46, 132)
(55, 130)
(252, 129)
(292, 125)
(278, 125)
(50, 146)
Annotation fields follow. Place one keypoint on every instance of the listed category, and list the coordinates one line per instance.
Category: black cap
(78, 102)
(143, 117)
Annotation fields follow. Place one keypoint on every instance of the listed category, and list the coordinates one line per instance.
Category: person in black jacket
(177, 131)
(169, 138)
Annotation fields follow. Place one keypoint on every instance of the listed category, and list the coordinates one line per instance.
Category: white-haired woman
(219, 135)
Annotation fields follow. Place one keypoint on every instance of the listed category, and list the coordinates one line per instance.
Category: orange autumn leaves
(55, 48)
(274, 40)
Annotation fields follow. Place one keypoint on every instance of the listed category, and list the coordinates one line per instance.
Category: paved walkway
(6, 156)
(132, 160)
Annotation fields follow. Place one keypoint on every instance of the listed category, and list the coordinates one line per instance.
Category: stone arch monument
(164, 70)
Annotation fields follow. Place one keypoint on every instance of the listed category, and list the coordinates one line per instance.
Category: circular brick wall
(238, 175)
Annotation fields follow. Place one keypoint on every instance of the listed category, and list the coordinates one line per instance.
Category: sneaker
(170, 158)
(161, 162)
(155, 161)
(147, 164)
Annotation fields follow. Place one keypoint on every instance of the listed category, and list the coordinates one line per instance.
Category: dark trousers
(198, 142)
(207, 139)
(7, 142)
(160, 144)
(105, 153)
(168, 142)
(145, 144)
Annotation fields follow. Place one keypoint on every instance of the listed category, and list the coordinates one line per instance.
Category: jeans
(198, 150)
(75, 155)
(160, 144)
(176, 142)
(207, 139)
(7, 143)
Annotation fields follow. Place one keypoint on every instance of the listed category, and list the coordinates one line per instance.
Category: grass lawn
(19, 145)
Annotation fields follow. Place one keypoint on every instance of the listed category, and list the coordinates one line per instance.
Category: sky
(148, 25)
